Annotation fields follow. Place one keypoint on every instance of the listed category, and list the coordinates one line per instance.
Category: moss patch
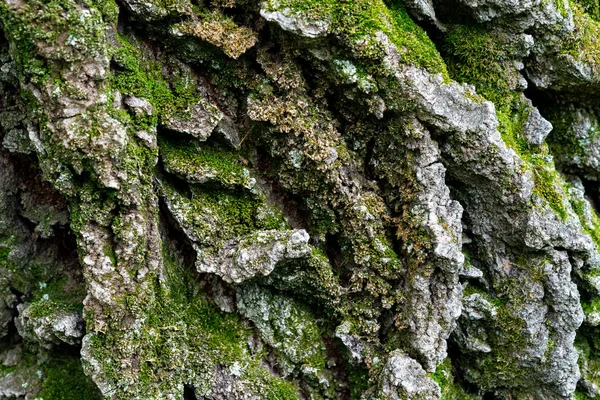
(590, 7)
(181, 338)
(64, 380)
(451, 390)
(478, 57)
(357, 22)
(582, 44)
(38, 26)
(204, 163)
(142, 76)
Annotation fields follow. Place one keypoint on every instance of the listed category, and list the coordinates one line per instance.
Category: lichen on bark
(289, 199)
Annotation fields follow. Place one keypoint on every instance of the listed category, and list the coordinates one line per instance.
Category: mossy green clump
(292, 331)
(582, 43)
(592, 306)
(451, 390)
(505, 329)
(473, 289)
(181, 338)
(46, 308)
(204, 163)
(590, 7)
(234, 211)
(275, 388)
(548, 183)
(581, 396)
(159, 9)
(215, 214)
(7, 245)
(591, 222)
(95, 204)
(357, 23)
(478, 57)
(56, 296)
(39, 277)
(39, 26)
(64, 380)
(358, 379)
(564, 145)
(142, 76)
(548, 186)
(587, 346)
(287, 326)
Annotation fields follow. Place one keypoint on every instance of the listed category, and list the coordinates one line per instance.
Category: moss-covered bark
(299, 199)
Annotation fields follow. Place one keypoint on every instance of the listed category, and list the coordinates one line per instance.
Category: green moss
(217, 214)
(139, 162)
(181, 338)
(548, 186)
(202, 163)
(570, 147)
(157, 9)
(477, 57)
(289, 327)
(357, 22)
(108, 8)
(591, 226)
(451, 390)
(506, 331)
(56, 296)
(235, 211)
(7, 245)
(562, 142)
(586, 344)
(592, 306)
(94, 204)
(582, 43)
(44, 24)
(590, 7)
(269, 217)
(358, 379)
(581, 396)
(64, 380)
(560, 6)
(275, 388)
(473, 289)
(142, 76)
(282, 390)
(37, 277)
(46, 308)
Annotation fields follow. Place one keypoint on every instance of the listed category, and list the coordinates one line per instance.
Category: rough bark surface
(299, 199)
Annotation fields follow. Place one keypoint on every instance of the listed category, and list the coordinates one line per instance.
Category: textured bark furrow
(230, 199)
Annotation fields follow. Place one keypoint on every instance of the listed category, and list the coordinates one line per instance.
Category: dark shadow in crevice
(452, 12)
(543, 100)
(340, 267)
(127, 18)
(189, 393)
(455, 354)
(592, 190)
(368, 167)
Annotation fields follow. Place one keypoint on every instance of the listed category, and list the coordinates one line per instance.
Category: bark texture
(299, 199)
